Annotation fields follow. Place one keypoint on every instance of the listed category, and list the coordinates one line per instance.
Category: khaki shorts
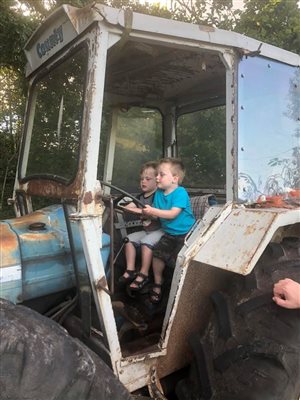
(148, 239)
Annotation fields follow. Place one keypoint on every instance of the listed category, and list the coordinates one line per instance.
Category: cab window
(201, 138)
(138, 140)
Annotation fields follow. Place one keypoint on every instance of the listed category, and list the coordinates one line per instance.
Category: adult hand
(287, 293)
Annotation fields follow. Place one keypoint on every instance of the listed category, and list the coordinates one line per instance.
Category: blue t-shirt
(179, 198)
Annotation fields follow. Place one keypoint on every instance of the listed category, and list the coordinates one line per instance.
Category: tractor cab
(111, 89)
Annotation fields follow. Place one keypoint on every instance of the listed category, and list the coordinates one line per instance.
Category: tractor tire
(40, 361)
(251, 348)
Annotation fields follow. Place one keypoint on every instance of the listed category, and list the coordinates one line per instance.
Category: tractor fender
(234, 238)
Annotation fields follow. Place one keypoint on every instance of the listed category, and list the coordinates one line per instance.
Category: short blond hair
(176, 166)
(149, 164)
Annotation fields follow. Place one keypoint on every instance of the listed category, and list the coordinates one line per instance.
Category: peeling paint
(101, 283)
(9, 246)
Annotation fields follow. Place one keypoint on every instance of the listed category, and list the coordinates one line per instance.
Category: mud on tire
(251, 349)
(40, 361)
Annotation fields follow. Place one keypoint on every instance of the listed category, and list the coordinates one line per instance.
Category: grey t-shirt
(149, 224)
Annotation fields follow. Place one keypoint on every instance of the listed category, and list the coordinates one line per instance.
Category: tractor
(109, 90)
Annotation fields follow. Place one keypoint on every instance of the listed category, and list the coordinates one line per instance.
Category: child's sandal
(155, 297)
(139, 284)
(127, 279)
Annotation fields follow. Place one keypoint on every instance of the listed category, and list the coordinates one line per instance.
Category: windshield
(138, 139)
(54, 120)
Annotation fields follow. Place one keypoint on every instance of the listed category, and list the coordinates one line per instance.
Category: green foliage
(11, 110)
(15, 30)
(217, 13)
(135, 5)
(202, 143)
(273, 21)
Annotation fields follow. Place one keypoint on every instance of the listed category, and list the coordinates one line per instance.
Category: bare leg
(130, 254)
(146, 263)
(146, 259)
(158, 269)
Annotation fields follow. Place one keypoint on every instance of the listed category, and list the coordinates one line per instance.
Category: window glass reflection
(201, 137)
(268, 128)
(138, 140)
(57, 105)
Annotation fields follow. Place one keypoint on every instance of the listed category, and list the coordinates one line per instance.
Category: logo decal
(53, 40)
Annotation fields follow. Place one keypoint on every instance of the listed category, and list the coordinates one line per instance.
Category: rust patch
(250, 229)
(101, 283)
(98, 199)
(7, 239)
(34, 236)
(82, 16)
(206, 28)
(88, 198)
(9, 248)
(47, 188)
(53, 189)
(26, 220)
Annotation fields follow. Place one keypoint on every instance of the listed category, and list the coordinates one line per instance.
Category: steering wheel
(136, 201)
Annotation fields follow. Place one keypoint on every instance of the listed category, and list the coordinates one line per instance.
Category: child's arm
(132, 208)
(156, 212)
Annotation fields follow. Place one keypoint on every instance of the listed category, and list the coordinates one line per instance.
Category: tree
(18, 19)
(15, 30)
(218, 13)
(11, 111)
(273, 21)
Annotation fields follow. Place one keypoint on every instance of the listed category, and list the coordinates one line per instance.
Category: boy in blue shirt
(173, 208)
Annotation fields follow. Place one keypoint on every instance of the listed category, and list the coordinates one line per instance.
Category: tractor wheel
(39, 360)
(251, 348)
